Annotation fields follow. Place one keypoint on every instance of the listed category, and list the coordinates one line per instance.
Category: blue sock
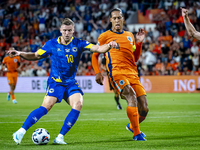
(34, 116)
(69, 121)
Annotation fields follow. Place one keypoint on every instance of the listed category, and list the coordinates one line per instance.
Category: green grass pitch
(173, 123)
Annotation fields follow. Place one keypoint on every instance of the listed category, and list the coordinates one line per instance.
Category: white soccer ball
(40, 136)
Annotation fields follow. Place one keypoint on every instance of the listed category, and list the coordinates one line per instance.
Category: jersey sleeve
(95, 62)
(101, 39)
(138, 51)
(85, 45)
(18, 59)
(45, 50)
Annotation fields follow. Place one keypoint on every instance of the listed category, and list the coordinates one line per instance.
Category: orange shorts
(120, 81)
(12, 77)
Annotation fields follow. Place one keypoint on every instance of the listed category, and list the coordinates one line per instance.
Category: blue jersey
(64, 58)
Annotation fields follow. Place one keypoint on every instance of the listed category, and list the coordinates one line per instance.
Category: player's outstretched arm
(103, 48)
(25, 55)
(190, 28)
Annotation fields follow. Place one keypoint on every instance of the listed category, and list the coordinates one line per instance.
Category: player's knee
(48, 107)
(12, 87)
(144, 111)
(78, 105)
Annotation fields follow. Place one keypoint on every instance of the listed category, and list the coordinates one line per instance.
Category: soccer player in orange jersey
(12, 63)
(120, 63)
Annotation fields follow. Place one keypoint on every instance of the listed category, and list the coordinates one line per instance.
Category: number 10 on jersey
(70, 58)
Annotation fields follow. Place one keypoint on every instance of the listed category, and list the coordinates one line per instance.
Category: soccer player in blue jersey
(65, 52)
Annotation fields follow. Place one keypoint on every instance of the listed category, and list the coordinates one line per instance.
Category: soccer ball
(40, 136)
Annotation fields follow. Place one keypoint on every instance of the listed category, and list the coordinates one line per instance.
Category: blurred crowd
(167, 49)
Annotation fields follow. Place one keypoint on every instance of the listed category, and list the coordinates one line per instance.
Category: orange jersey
(11, 63)
(121, 60)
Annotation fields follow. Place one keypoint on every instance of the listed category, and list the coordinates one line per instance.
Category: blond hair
(67, 22)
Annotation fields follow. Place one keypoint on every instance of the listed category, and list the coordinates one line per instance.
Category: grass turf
(173, 123)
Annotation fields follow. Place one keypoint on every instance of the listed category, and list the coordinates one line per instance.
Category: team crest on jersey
(15, 60)
(51, 90)
(58, 49)
(130, 39)
(74, 49)
(121, 82)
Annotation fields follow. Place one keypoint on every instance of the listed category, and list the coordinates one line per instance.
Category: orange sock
(141, 118)
(9, 93)
(13, 96)
(132, 113)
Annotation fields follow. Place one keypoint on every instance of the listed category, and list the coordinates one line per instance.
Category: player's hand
(184, 12)
(13, 53)
(140, 35)
(112, 44)
(99, 78)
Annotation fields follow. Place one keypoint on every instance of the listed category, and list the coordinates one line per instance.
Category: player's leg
(34, 116)
(12, 83)
(123, 87)
(15, 75)
(142, 102)
(117, 99)
(141, 98)
(76, 102)
(142, 107)
(116, 96)
(9, 79)
(12, 88)
(132, 112)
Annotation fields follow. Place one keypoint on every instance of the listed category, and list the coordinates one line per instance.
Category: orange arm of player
(95, 63)
(138, 51)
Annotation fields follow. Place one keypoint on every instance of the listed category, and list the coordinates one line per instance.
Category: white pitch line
(116, 113)
(111, 119)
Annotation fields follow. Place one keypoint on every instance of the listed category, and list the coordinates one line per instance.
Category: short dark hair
(67, 22)
(115, 9)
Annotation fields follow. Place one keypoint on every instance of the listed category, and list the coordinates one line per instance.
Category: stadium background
(167, 49)
(173, 120)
